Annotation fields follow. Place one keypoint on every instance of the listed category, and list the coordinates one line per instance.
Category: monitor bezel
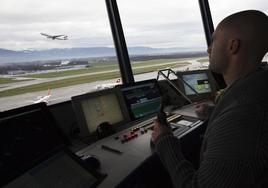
(81, 120)
(200, 96)
(63, 140)
(66, 151)
(154, 81)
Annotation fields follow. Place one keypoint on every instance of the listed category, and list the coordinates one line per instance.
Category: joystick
(162, 118)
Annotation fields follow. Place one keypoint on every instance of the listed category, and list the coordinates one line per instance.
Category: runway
(65, 93)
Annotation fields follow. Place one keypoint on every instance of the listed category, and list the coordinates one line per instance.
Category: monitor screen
(27, 134)
(201, 82)
(60, 170)
(142, 98)
(198, 81)
(95, 108)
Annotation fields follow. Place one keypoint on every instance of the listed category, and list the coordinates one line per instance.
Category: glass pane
(52, 50)
(163, 34)
(221, 9)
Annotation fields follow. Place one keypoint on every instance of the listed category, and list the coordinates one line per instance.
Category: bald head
(251, 29)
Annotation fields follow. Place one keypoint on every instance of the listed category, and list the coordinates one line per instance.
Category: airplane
(43, 98)
(196, 66)
(107, 86)
(57, 37)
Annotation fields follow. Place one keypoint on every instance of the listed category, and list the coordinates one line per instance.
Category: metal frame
(207, 20)
(119, 42)
(166, 76)
(209, 29)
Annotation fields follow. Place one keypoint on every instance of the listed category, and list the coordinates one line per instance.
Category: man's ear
(234, 45)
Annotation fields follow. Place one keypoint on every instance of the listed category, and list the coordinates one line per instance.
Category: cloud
(152, 23)
(221, 9)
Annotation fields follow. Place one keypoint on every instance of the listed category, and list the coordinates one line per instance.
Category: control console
(178, 123)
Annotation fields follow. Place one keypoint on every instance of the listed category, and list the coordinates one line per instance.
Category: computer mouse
(92, 161)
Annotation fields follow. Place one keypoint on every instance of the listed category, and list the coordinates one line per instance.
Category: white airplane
(43, 98)
(196, 66)
(57, 37)
(107, 86)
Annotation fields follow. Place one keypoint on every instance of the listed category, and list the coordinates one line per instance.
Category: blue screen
(143, 99)
(198, 81)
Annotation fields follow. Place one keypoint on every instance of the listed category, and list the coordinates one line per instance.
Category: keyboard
(189, 110)
(180, 130)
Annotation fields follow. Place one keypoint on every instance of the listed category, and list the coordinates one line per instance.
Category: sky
(151, 23)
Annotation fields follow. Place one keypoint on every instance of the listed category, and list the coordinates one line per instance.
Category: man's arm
(204, 110)
(231, 155)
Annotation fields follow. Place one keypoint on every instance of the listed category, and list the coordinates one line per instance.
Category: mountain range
(10, 56)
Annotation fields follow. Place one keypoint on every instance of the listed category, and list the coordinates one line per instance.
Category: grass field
(11, 80)
(72, 72)
(203, 60)
(154, 62)
(137, 69)
(103, 66)
(59, 83)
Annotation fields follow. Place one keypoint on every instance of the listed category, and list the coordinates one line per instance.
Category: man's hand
(200, 110)
(159, 130)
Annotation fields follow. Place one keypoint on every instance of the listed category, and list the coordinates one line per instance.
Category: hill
(9, 56)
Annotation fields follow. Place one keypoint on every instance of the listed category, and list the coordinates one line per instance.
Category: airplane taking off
(57, 37)
(107, 86)
(43, 98)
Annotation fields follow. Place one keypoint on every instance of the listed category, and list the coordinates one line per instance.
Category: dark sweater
(235, 148)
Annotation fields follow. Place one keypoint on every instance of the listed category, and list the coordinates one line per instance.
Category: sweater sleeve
(208, 111)
(230, 158)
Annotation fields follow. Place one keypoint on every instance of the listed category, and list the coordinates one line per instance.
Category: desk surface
(118, 166)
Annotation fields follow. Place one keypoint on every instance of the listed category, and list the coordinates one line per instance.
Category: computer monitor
(201, 81)
(92, 109)
(27, 135)
(62, 169)
(142, 98)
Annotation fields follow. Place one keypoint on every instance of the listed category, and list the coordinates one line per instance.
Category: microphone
(161, 118)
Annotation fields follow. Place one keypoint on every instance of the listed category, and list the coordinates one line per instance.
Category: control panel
(179, 125)
(131, 146)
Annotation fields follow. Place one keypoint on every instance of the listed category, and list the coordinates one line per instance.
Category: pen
(111, 149)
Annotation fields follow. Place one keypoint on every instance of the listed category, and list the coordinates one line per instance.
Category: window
(53, 50)
(221, 9)
(163, 34)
